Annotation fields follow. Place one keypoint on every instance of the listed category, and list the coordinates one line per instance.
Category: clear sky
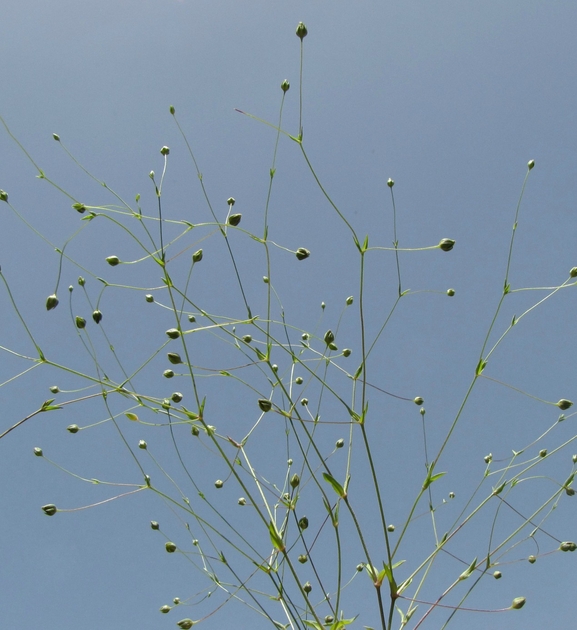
(451, 99)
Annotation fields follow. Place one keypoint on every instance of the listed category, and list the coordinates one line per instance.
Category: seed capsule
(518, 603)
(530, 164)
(51, 302)
(197, 256)
(329, 337)
(54, 389)
(497, 575)
(242, 501)
(303, 523)
(307, 588)
(230, 201)
(532, 559)
(176, 397)
(347, 352)
(38, 451)
(149, 298)
(564, 404)
(573, 272)
(302, 253)
(218, 484)
(142, 444)
(567, 546)
(170, 547)
(285, 85)
(79, 207)
(80, 322)
(299, 380)
(264, 404)
(164, 151)
(446, 244)
(418, 400)
(165, 609)
(73, 428)
(3, 195)
(295, 481)
(303, 559)
(154, 525)
(173, 333)
(49, 510)
(113, 260)
(234, 219)
(450, 292)
(174, 358)
(340, 443)
(97, 316)
(185, 624)
(168, 374)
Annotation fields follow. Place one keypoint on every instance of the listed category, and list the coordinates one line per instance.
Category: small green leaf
(275, 537)
(335, 485)
(467, 572)
(131, 416)
(480, 367)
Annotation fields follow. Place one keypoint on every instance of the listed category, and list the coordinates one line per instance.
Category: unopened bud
(303, 559)
(518, 602)
(307, 588)
(301, 31)
(165, 609)
(234, 219)
(295, 481)
(176, 397)
(390, 528)
(543, 452)
(567, 546)
(195, 430)
(142, 444)
(3, 195)
(154, 525)
(197, 256)
(54, 389)
(303, 523)
(350, 300)
(174, 358)
(530, 164)
(488, 458)
(97, 316)
(299, 380)
(497, 575)
(185, 624)
(79, 207)
(164, 151)
(37, 451)
(49, 510)
(170, 547)
(173, 333)
(168, 374)
(113, 260)
(340, 443)
(247, 338)
(218, 484)
(347, 352)
(329, 337)
(573, 272)
(191, 318)
(532, 559)
(80, 322)
(418, 400)
(304, 402)
(73, 428)
(230, 201)
(450, 292)
(242, 501)
(56, 137)
(302, 253)
(81, 281)
(570, 492)
(285, 85)
(149, 298)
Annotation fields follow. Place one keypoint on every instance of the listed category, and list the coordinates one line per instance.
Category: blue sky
(450, 99)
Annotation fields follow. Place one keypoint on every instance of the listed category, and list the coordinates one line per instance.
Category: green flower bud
(38, 451)
(218, 484)
(569, 492)
(194, 430)
(274, 367)
(97, 316)
(164, 151)
(79, 207)
(530, 164)
(285, 85)
(303, 559)
(329, 619)
(176, 601)
(185, 624)
(73, 428)
(56, 137)
(247, 338)
(295, 481)
(165, 609)
(339, 443)
(230, 201)
(113, 260)
(543, 452)
(50, 509)
(303, 523)
(422, 411)
(54, 389)
(173, 333)
(302, 253)
(390, 528)
(305, 336)
(234, 219)
(532, 559)
(165, 403)
(51, 302)
(81, 281)
(71, 288)
(174, 358)
(151, 175)
(451, 495)
(488, 458)
(574, 459)
(154, 525)
(176, 397)
(518, 602)
(197, 256)
(80, 322)
(301, 31)
(349, 300)
(3, 195)
(567, 546)
(360, 567)
(264, 404)
(347, 352)
(170, 547)
(564, 404)
(329, 337)
(299, 380)
(191, 319)
(168, 374)
(450, 292)
(265, 279)
(390, 182)
(497, 575)
(304, 402)
(149, 298)
(573, 272)
(446, 244)
(307, 588)
(242, 501)
(418, 400)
